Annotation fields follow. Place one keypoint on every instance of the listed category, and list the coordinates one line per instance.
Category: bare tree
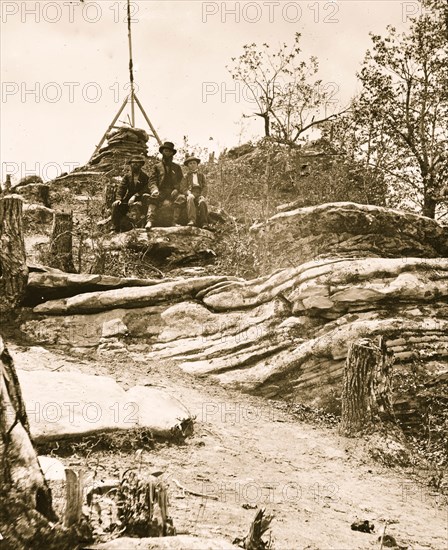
(284, 88)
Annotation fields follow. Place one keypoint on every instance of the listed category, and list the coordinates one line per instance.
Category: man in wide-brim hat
(194, 187)
(169, 146)
(164, 183)
(133, 190)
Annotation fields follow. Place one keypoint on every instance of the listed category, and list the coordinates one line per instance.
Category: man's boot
(176, 215)
(203, 214)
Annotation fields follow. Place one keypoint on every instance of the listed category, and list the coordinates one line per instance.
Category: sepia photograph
(224, 275)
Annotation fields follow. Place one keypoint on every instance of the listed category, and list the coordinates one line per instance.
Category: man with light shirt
(194, 187)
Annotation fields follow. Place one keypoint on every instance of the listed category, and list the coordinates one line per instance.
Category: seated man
(194, 187)
(165, 180)
(132, 191)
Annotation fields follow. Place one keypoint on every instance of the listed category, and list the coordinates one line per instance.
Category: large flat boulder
(73, 405)
(176, 244)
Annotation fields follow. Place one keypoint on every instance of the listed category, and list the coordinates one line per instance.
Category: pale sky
(64, 68)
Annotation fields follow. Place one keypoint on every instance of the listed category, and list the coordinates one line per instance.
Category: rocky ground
(328, 275)
(247, 452)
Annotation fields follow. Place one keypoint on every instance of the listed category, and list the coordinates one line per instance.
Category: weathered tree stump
(74, 497)
(35, 193)
(366, 402)
(143, 506)
(26, 510)
(366, 387)
(7, 185)
(13, 269)
(61, 245)
(110, 195)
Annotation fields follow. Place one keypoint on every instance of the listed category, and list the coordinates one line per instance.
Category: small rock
(389, 541)
(114, 327)
(363, 526)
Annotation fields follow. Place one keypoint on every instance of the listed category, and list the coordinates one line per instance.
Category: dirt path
(245, 452)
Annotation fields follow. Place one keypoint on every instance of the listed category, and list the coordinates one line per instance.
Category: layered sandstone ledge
(286, 333)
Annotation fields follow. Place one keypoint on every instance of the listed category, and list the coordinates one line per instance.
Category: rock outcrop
(88, 192)
(348, 230)
(285, 334)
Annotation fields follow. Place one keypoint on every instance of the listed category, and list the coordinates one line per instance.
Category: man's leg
(145, 199)
(202, 213)
(191, 210)
(178, 204)
(151, 212)
(119, 211)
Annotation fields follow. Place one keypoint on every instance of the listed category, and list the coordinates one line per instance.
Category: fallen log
(130, 297)
(45, 286)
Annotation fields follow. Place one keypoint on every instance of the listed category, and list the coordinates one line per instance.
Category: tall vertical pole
(131, 67)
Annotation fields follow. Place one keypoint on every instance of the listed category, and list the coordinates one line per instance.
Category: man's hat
(190, 158)
(167, 145)
(136, 160)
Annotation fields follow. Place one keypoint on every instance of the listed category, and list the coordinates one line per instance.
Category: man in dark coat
(166, 177)
(194, 187)
(132, 191)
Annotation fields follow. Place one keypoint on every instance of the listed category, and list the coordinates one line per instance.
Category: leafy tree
(284, 88)
(402, 111)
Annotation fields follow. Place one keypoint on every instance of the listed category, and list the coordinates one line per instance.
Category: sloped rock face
(346, 230)
(285, 334)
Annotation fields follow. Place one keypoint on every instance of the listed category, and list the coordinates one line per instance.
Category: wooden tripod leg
(153, 130)
(98, 147)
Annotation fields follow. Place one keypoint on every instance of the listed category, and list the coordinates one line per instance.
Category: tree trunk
(429, 207)
(267, 126)
(366, 388)
(61, 246)
(13, 269)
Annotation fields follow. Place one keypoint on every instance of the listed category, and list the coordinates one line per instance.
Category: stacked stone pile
(122, 144)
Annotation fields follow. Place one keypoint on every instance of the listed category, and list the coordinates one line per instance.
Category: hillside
(235, 381)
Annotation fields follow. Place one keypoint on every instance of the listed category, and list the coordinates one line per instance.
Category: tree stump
(110, 195)
(366, 387)
(366, 402)
(61, 245)
(13, 268)
(26, 506)
(74, 497)
(35, 193)
(7, 185)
